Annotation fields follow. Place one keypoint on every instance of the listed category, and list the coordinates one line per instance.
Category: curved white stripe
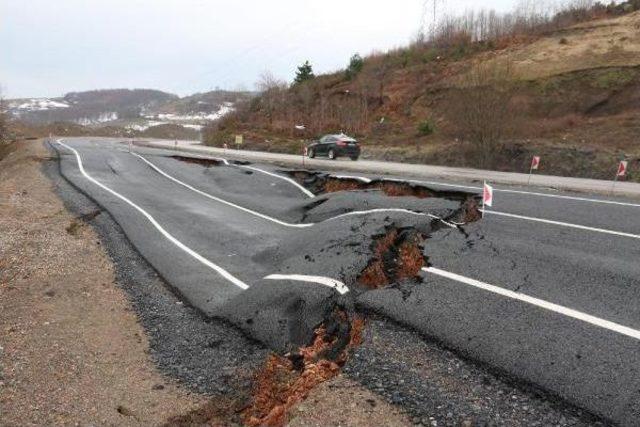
(564, 224)
(398, 210)
(277, 221)
(326, 281)
(357, 178)
(224, 273)
(289, 180)
(217, 199)
(606, 324)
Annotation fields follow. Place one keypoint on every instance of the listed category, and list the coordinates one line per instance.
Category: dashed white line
(224, 273)
(340, 287)
(593, 320)
(563, 224)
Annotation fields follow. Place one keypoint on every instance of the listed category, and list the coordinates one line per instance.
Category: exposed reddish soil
(282, 383)
(397, 255)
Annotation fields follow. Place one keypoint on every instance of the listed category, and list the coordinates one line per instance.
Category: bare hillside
(571, 94)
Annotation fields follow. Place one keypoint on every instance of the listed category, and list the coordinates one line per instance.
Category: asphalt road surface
(545, 288)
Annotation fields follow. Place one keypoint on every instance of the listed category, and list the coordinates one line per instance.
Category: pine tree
(304, 73)
(355, 66)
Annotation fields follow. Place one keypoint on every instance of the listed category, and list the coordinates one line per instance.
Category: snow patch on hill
(36, 104)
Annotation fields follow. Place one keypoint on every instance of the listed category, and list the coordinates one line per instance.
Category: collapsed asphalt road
(258, 250)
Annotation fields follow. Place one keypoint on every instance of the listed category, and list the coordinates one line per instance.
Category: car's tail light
(342, 144)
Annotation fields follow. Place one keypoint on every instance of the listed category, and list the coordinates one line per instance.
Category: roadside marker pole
(487, 196)
(622, 172)
(535, 163)
(304, 153)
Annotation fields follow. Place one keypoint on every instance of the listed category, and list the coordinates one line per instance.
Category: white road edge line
(277, 221)
(563, 224)
(332, 283)
(531, 193)
(217, 199)
(224, 273)
(596, 321)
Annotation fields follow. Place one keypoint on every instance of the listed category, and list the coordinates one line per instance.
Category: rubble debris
(287, 380)
(397, 255)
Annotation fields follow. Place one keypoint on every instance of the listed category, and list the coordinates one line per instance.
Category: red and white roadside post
(304, 152)
(535, 165)
(487, 196)
(621, 173)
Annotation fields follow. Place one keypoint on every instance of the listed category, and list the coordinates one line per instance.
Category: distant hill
(136, 109)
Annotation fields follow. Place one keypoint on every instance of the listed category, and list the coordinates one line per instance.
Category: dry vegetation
(481, 90)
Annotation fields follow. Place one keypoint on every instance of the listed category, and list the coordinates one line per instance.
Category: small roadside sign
(487, 196)
(535, 163)
(621, 173)
(239, 139)
(622, 169)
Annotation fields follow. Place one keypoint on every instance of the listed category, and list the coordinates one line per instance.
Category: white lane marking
(503, 190)
(289, 180)
(602, 323)
(564, 224)
(406, 211)
(217, 199)
(326, 281)
(277, 221)
(532, 193)
(357, 178)
(224, 273)
(220, 159)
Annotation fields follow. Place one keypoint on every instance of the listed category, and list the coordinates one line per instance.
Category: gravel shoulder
(71, 348)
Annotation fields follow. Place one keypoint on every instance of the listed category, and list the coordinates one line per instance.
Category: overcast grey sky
(185, 46)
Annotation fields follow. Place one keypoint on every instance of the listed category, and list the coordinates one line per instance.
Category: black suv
(334, 146)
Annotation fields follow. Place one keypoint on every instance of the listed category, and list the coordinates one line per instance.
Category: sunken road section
(311, 330)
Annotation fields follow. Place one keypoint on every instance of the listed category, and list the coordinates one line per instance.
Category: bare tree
(481, 110)
(273, 92)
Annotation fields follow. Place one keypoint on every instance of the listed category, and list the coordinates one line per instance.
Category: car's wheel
(331, 154)
(311, 153)
(354, 158)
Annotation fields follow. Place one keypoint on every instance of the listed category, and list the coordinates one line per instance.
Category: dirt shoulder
(71, 348)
